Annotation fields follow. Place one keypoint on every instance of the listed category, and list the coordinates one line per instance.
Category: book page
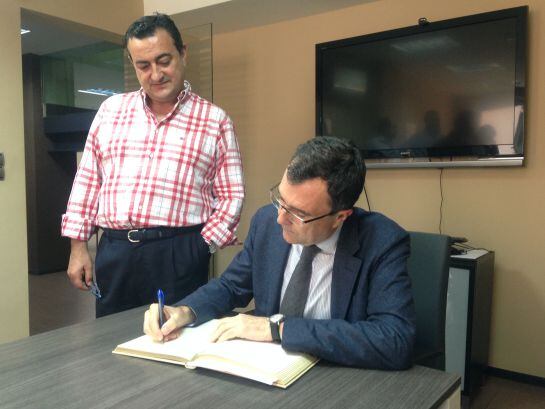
(183, 349)
(264, 362)
(266, 357)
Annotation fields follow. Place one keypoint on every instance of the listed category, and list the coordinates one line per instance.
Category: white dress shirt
(318, 304)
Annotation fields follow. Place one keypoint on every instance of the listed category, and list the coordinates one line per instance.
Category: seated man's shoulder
(376, 220)
(263, 227)
(265, 213)
(378, 228)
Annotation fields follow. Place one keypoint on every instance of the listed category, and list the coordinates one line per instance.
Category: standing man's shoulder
(120, 102)
(215, 112)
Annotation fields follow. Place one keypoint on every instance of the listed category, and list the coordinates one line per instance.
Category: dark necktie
(295, 297)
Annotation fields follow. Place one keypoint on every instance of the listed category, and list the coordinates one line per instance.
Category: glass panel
(83, 77)
(199, 59)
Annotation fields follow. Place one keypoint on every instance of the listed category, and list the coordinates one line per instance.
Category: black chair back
(428, 267)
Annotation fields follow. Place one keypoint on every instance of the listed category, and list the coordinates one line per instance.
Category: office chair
(428, 267)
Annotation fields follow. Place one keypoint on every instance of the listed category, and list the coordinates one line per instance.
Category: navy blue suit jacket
(372, 321)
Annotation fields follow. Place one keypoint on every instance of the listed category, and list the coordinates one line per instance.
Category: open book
(264, 362)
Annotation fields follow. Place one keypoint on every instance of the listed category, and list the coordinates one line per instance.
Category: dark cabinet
(469, 301)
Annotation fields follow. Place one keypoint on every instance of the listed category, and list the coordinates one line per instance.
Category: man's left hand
(243, 326)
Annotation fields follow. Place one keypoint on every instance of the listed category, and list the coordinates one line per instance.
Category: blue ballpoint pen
(161, 302)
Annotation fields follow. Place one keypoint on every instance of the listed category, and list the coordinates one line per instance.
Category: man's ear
(343, 215)
(183, 55)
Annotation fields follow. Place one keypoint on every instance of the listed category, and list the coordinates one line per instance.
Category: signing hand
(243, 326)
(176, 318)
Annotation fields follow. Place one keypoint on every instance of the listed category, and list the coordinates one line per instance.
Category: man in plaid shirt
(161, 174)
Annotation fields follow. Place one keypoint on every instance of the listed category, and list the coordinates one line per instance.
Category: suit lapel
(279, 256)
(346, 268)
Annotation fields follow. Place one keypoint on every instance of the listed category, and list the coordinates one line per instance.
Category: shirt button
(151, 155)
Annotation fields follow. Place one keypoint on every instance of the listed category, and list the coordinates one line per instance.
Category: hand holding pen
(163, 322)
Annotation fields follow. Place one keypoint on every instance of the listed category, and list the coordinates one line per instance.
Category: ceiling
(239, 14)
(50, 34)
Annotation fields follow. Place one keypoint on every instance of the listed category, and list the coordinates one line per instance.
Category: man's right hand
(176, 318)
(80, 266)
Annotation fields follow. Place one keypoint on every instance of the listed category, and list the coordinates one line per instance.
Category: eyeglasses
(278, 203)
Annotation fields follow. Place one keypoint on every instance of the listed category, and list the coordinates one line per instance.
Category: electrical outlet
(2, 172)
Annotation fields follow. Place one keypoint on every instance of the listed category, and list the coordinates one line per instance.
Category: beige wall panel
(104, 15)
(13, 254)
(264, 77)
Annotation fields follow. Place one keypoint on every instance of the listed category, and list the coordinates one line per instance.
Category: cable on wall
(441, 205)
(366, 197)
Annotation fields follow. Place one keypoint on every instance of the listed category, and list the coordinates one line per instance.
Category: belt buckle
(129, 236)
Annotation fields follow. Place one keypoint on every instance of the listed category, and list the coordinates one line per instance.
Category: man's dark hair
(146, 27)
(335, 160)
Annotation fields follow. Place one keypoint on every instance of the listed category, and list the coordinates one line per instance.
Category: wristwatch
(275, 321)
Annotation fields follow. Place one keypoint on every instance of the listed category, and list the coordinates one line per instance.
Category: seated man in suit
(328, 279)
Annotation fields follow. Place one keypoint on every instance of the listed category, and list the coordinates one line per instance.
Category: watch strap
(275, 328)
(275, 331)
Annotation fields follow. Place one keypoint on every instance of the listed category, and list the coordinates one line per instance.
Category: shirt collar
(182, 96)
(327, 246)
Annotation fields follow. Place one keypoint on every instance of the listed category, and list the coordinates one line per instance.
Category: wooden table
(73, 367)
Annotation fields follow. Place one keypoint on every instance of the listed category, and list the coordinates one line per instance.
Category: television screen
(446, 89)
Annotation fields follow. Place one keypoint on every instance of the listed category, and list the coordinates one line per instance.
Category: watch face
(276, 318)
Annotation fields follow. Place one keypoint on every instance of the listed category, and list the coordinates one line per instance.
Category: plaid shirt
(138, 172)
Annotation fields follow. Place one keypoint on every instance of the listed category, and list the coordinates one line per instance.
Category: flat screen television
(446, 93)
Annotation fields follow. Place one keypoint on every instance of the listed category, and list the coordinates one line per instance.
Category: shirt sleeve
(79, 221)
(233, 289)
(228, 189)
